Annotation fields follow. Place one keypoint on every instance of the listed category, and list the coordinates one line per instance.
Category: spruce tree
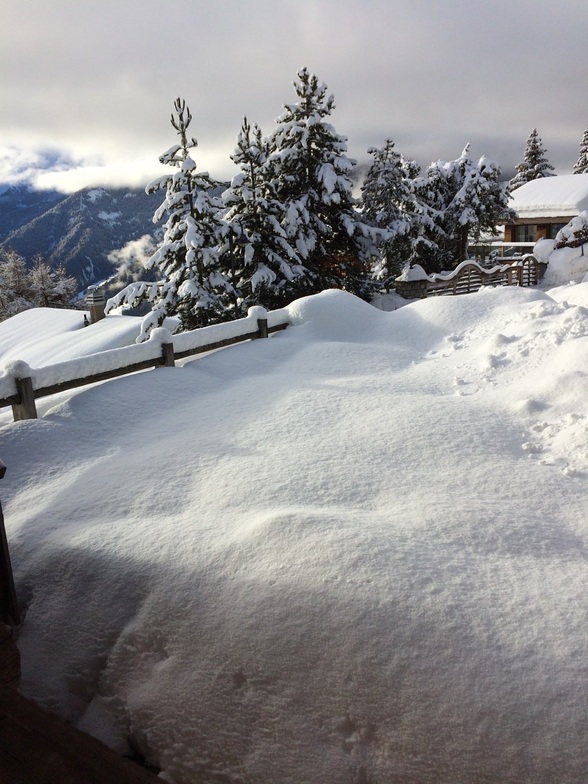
(50, 288)
(191, 284)
(534, 164)
(310, 175)
(262, 261)
(382, 196)
(16, 293)
(465, 199)
(392, 204)
(39, 287)
(581, 166)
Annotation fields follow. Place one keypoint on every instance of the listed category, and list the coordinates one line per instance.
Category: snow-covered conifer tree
(310, 175)
(191, 283)
(39, 287)
(581, 165)
(16, 293)
(391, 203)
(50, 288)
(262, 261)
(534, 164)
(465, 198)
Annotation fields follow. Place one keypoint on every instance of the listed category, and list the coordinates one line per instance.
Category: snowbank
(43, 336)
(564, 265)
(26, 337)
(354, 552)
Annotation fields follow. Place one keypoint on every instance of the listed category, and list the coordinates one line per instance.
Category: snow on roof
(551, 197)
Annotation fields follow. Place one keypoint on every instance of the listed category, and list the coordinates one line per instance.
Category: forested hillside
(77, 231)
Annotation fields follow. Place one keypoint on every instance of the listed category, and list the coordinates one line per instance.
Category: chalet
(543, 207)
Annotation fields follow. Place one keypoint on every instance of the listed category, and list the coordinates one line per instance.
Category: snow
(564, 265)
(551, 197)
(44, 336)
(109, 217)
(95, 193)
(414, 272)
(352, 552)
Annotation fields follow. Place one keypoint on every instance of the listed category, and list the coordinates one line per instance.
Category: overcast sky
(87, 86)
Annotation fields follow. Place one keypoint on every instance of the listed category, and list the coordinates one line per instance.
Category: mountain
(20, 204)
(77, 231)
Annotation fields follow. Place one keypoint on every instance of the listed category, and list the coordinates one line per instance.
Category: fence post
(167, 352)
(26, 409)
(262, 326)
(8, 603)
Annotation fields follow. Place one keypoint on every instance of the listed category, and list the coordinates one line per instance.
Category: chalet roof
(551, 197)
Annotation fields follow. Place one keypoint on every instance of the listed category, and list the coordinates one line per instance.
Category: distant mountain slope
(20, 204)
(79, 230)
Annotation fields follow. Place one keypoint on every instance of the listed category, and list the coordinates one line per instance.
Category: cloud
(432, 76)
(23, 165)
(133, 173)
(132, 257)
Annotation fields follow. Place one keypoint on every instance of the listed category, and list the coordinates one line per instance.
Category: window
(525, 232)
(553, 229)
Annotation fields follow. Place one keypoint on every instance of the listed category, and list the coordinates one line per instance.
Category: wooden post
(262, 326)
(8, 603)
(167, 351)
(26, 409)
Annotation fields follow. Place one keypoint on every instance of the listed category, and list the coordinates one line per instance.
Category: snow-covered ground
(355, 552)
(43, 336)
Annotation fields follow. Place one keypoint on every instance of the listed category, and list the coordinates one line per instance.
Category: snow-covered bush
(575, 233)
(567, 255)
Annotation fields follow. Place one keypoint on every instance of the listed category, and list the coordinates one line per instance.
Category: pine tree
(581, 166)
(391, 203)
(51, 288)
(191, 283)
(465, 199)
(534, 164)
(261, 259)
(40, 287)
(382, 194)
(16, 293)
(310, 175)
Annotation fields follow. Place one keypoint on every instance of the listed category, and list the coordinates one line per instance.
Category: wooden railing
(21, 386)
(470, 276)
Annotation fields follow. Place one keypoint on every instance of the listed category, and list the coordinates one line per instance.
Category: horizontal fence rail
(471, 276)
(21, 386)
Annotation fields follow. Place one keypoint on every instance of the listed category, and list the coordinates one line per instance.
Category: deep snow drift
(355, 552)
(43, 336)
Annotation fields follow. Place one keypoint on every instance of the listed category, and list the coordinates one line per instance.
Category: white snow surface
(564, 265)
(44, 336)
(354, 552)
(551, 197)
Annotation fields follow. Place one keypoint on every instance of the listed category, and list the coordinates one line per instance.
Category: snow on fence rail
(21, 385)
(470, 276)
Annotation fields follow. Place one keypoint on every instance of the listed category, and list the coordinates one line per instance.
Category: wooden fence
(28, 386)
(470, 276)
